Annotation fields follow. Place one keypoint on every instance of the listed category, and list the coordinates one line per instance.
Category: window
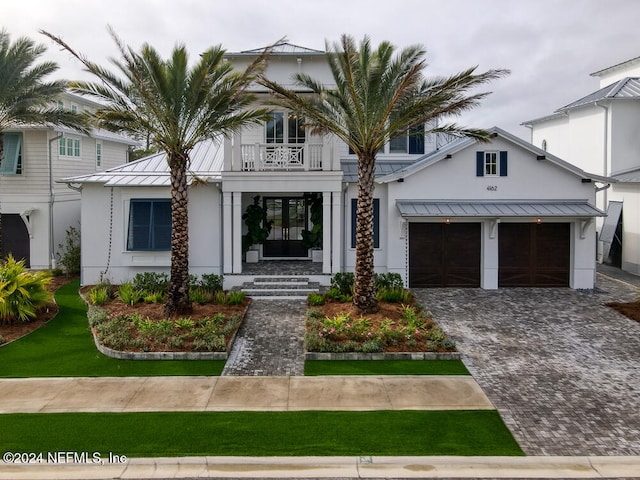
(376, 222)
(60, 104)
(12, 159)
(98, 154)
(149, 225)
(491, 164)
(74, 108)
(413, 143)
(69, 147)
(293, 133)
(544, 145)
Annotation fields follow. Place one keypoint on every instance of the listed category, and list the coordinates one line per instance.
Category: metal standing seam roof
(350, 168)
(281, 49)
(206, 162)
(626, 88)
(484, 208)
(630, 176)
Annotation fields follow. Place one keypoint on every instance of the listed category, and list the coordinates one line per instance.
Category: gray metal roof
(281, 49)
(617, 66)
(629, 176)
(206, 165)
(383, 167)
(626, 88)
(497, 209)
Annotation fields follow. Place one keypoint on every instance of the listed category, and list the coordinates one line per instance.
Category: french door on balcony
(289, 217)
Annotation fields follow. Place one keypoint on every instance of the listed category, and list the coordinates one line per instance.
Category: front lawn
(316, 433)
(385, 367)
(64, 347)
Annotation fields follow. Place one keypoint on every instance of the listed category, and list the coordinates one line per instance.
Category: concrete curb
(332, 467)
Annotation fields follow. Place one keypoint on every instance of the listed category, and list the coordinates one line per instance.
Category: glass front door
(289, 217)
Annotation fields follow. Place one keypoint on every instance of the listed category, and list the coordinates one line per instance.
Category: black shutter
(479, 164)
(503, 164)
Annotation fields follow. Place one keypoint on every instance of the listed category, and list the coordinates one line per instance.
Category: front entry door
(289, 217)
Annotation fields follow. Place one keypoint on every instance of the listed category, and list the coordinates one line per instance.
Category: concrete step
(279, 287)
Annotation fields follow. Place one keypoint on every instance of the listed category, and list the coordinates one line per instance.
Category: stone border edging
(383, 356)
(109, 352)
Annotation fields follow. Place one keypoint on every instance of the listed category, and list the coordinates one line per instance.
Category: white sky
(551, 46)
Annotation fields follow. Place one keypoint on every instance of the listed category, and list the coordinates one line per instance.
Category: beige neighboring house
(36, 211)
(600, 133)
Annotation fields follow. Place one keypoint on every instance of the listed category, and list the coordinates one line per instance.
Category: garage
(15, 238)
(444, 255)
(534, 255)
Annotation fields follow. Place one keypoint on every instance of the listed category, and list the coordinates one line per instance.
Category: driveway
(562, 369)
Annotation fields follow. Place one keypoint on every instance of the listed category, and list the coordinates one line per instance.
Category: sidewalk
(336, 467)
(148, 394)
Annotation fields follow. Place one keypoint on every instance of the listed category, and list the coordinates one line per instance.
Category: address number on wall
(492, 188)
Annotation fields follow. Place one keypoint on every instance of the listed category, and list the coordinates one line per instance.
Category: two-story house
(461, 214)
(37, 211)
(599, 133)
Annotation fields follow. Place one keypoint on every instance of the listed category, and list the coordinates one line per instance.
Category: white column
(227, 232)
(326, 232)
(336, 230)
(237, 232)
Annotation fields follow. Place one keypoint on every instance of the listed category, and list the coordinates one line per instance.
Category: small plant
(220, 298)
(69, 256)
(315, 299)
(236, 297)
(343, 282)
(394, 295)
(128, 294)
(184, 324)
(199, 295)
(315, 314)
(22, 293)
(96, 315)
(99, 295)
(211, 282)
(388, 280)
(153, 297)
(2, 340)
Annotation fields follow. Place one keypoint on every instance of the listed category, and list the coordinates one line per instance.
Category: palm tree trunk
(1, 158)
(364, 292)
(178, 298)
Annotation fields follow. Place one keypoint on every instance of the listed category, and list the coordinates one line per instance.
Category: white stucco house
(600, 133)
(504, 213)
(35, 211)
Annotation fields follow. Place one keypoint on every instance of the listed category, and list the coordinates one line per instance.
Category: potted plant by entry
(258, 230)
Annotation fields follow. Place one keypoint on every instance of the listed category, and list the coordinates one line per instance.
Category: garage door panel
(534, 255)
(444, 255)
(15, 238)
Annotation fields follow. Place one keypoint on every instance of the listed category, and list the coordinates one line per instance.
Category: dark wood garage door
(15, 238)
(534, 255)
(444, 255)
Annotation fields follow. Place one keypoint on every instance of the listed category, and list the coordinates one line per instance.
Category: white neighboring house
(488, 215)
(599, 133)
(37, 211)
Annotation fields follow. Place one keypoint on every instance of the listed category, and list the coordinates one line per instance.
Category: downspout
(52, 199)
(605, 152)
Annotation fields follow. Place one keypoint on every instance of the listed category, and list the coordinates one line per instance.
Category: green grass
(385, 367)
(262, 433)
(64, 348)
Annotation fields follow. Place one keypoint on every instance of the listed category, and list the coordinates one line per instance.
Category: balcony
(260, 157)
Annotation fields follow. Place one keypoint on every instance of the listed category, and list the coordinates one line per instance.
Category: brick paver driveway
(562, 369)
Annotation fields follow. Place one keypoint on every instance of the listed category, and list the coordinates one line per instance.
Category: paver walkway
(270, 340)
(562, 369)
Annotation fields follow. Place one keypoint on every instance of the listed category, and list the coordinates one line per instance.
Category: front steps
(279, 287)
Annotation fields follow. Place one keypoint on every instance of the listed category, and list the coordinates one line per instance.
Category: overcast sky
(550, 46)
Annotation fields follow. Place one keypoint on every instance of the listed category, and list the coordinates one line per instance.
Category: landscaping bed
(400, 325)
(630, 309)
(130, 317)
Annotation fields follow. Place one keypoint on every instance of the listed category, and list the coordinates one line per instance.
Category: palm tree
(25, 98)
(378, 95)
(178, 106)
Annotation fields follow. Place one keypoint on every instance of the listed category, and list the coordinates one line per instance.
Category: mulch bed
(630, 310)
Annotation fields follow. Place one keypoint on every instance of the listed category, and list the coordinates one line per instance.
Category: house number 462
(492, 188)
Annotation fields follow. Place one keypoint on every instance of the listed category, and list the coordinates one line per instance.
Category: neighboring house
(463, 214)
(36, 211)
(599, 133)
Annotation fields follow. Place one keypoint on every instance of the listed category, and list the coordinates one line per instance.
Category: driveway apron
(270, 340)
(562, 368)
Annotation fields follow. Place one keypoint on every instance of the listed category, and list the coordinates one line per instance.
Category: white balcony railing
(281, 156)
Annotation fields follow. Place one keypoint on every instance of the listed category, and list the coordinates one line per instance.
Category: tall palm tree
(378, 95)
(178, 106)
(26, 99)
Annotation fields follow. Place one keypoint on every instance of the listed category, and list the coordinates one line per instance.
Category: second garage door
(534, 255)
(15, 238)
(444, 255)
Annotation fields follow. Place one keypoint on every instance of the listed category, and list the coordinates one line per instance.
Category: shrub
(371, 346)
(2, 340)
(315, 314)
(199, 295)
(22, 293)
(334, 294)
(236, 297)
(211, 282)
(69, 256)
(388, 280)
(219, 298)
(128, 294)
(343, 282)
(151, 282)
(153, 297)
(184, 323)
(96, 315)
(394, 295)
(99, 295)
(315, 299)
